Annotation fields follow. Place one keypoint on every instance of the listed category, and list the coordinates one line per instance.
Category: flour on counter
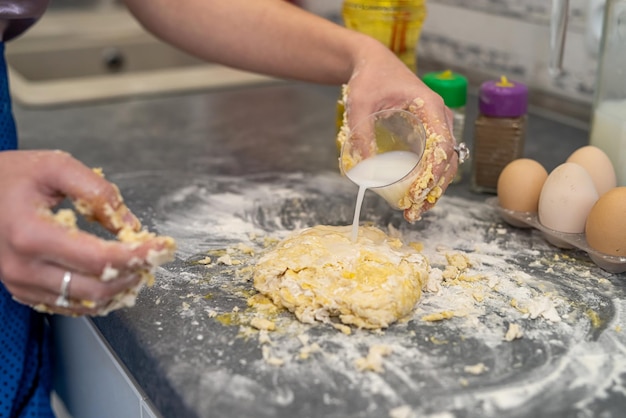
(540, 320)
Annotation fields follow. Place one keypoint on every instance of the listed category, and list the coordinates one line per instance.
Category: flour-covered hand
(45, 260)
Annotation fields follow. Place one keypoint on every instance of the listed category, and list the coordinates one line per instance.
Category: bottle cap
(452, 87)
(503, 98)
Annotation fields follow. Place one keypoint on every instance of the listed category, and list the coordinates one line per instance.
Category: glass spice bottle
(499, 131)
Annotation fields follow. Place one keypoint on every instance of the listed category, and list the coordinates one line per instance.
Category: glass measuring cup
(383, 153)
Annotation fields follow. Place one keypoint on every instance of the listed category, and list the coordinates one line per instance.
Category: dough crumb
(514, 332)
(374, 360)
(262, 324)
(206, 260)
(343, 328)
(225, 260)
(109, 273)
(243, 248)
(438, 316)
(66, 218)
(269, 358)
(545, 308)
(306, 351)
(476, 369)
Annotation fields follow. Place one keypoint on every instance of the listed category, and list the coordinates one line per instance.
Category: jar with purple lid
(499, 131)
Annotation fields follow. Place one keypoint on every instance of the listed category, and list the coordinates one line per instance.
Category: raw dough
(319, 273)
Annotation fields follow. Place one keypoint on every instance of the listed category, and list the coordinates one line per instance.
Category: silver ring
(63, 301)
(462, 151)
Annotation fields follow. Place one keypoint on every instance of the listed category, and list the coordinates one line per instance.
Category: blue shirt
(25, 363)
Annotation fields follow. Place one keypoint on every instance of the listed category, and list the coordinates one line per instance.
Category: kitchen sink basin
(74, 57)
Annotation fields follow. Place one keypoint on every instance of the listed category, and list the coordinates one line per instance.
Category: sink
(77, 57)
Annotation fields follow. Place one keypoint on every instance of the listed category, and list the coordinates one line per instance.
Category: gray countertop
(220, 168)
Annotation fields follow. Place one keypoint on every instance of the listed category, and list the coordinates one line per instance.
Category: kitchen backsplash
(488, 38)
(503, 37)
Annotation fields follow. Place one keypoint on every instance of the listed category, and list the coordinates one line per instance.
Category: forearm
(267, 36)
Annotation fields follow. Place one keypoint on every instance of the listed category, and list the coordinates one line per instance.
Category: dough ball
(319, 273)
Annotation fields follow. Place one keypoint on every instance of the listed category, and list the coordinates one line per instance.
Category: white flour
(569, 352)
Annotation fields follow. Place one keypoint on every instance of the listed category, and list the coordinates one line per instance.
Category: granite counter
(221, 169)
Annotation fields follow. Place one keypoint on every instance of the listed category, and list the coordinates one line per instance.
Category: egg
(605, 229)
(519, 185)
(566, 199)
(598, 165)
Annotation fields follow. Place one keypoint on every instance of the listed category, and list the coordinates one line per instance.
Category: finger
(440, 161)
(77, 250)
(93, 196)
(43, 285)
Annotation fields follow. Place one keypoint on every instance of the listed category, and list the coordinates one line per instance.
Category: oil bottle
(395, 23)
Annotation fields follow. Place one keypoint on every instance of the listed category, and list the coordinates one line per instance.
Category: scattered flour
(505, 320)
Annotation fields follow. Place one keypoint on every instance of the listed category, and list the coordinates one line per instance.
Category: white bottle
(608, 124)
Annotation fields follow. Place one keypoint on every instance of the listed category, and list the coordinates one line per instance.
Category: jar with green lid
(452, 87)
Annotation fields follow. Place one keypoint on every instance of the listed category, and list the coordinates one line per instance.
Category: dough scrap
(319, 273)
(132, 236)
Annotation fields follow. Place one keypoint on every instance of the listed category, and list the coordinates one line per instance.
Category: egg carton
(610, 263)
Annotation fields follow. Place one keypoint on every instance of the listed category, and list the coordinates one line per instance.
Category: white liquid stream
(382, 172)
(608, 133)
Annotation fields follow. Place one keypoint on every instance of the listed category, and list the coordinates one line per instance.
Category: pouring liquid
(382, 172)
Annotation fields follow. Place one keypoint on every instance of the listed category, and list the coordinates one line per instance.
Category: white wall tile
(503, 37)
(506, 44)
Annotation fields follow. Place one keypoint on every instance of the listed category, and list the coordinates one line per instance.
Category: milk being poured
(383, 173)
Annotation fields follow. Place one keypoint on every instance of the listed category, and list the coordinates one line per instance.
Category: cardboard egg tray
(610, 263)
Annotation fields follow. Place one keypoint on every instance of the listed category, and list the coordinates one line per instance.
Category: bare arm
(276, 38)
(268, 36)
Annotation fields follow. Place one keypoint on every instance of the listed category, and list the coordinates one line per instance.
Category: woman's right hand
(380, 81)
(37, 248)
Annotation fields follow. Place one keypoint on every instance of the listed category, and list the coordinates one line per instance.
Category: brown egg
(519, 185)
(605, 229)
(598, 165)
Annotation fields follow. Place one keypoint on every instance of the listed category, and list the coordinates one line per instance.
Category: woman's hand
(381, 81)
(282, 40)
(39, 248)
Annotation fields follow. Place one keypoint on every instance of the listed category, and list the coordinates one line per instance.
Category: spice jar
(452, 87)
(499, 131)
